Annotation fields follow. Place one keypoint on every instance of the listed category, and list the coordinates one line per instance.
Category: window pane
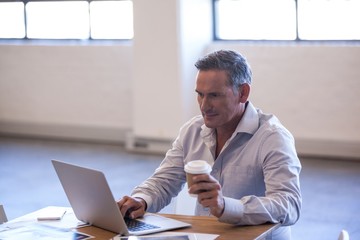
(256, 19)
(12, 21)
(111, 19)
(329, 19)
(58, 20)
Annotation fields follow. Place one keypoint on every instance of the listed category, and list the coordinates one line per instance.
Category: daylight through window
(287, 19)
(66, 19)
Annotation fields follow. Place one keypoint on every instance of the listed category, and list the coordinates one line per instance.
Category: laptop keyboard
(136, 225)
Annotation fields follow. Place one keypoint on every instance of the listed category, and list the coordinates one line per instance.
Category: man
(255, 168)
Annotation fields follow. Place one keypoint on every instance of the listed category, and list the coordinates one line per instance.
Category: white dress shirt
(258, 170)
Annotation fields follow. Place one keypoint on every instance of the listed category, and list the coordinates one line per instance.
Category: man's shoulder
(192, 127)
(193, 124)
(269, 124)
(195, 121)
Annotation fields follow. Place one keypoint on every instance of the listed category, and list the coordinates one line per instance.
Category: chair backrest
(185, 204)
(3, 217)
(344, 235)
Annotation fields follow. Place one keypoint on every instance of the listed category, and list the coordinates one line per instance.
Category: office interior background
(138, 93)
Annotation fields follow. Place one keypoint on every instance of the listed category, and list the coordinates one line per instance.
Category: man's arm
(282, 199)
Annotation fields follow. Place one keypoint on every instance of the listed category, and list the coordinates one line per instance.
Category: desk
(201, 224)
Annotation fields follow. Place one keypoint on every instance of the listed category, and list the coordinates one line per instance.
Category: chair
(3, 217)
(344, 235)
(185, 204)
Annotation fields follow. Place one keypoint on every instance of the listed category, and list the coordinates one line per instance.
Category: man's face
(218, 103)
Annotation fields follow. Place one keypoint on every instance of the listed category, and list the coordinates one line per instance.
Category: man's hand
(209, 193)
(132, 207)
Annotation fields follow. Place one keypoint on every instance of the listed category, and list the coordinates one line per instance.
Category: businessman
(255, 167)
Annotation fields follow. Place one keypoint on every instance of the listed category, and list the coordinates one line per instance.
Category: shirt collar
(249, 123)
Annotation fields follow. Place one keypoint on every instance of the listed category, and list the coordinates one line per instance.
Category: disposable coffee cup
(194, 168)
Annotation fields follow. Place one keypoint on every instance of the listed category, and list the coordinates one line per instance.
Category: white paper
(68, 221)
(40, 232)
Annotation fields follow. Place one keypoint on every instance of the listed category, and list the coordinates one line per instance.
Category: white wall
(163, 64)
(71, 91)
(313, 89)
(94, 91)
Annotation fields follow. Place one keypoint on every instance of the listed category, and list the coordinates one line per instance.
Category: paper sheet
(40, 232)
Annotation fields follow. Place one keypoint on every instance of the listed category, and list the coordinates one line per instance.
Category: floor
(330, 187)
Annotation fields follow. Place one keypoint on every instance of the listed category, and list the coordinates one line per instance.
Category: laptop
(92, 201)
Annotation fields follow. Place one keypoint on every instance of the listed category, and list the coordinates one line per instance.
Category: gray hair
(235, 65)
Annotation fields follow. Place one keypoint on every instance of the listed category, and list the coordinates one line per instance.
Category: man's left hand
(209, 193)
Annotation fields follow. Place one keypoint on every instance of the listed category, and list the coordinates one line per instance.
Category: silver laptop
(92, 201)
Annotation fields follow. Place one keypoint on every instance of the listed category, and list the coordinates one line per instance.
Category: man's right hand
(132, 207)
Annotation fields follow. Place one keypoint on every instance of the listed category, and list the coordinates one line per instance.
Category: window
(66, 19)
(12, 20)
(329, 19)
(256, 19)
(57, 20)
(287, 19)
(111, 20)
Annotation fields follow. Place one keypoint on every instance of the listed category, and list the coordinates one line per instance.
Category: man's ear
(244, 92)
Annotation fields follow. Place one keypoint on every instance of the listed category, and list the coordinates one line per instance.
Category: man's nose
(204, 104)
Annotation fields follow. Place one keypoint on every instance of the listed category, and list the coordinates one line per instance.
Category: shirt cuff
(146, 198)
(233, 211)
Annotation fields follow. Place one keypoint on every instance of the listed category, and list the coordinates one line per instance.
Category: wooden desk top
(201, 224)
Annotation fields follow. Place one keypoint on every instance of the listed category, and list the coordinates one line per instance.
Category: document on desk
(39, 232)
(43, 224)
(169, 236)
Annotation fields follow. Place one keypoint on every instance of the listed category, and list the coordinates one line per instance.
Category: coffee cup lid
(197, 167)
